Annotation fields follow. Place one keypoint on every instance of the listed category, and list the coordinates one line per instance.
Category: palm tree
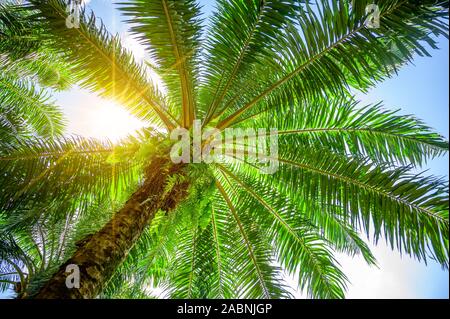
(221, 229)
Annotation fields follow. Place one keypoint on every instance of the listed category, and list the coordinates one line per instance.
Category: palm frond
(345, 127)
(39, 175)
(32, 105)
(172, 29)
(24, 54)
(331, 49)
(240, 36)
(251, 257)
(299, 246)
(99, 62)
(409, 210)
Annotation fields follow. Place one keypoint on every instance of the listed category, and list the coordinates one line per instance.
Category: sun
(93, 116)
(112, 121)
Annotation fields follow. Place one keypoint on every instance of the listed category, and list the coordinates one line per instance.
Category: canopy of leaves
(345, 170)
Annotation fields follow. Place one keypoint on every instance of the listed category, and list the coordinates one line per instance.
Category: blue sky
(420, 89)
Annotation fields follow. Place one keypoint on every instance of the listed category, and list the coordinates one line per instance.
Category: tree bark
(99, 255)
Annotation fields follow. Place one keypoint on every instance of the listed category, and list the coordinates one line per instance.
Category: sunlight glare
(112, 121)
(133, 45)
(92, 116)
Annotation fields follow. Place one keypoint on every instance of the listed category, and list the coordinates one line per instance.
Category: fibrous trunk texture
(99, 255)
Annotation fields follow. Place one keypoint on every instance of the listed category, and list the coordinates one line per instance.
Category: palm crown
(220, 229)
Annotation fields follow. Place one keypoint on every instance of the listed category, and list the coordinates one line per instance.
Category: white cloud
(397, 277)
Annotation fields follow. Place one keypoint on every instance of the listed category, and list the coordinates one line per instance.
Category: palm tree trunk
(99, 255)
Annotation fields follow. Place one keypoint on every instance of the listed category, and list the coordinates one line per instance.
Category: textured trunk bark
(99, 255)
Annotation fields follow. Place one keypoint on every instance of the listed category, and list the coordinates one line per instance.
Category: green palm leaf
(172, 28)
(32, 105)
(328, 52)
(345, 127)
(100, 62)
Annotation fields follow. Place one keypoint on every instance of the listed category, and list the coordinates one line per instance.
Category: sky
(420, 89)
